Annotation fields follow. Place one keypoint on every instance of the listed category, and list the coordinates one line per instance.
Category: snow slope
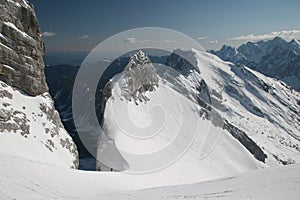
(267, 110)
(36, 180)
(30, 128)
(260, 116)
(163, 134)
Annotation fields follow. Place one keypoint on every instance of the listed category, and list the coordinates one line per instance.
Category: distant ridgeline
(275, 58)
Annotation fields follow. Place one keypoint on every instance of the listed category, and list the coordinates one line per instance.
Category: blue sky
(77, 25)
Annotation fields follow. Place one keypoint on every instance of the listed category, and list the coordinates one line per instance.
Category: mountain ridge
(275, 58)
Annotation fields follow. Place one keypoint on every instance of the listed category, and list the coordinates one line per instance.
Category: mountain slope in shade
(275, 58)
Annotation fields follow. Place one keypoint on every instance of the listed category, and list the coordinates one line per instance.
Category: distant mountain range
(275, 58)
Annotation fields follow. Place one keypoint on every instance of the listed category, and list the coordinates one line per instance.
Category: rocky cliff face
(30, 127)
(22, 47)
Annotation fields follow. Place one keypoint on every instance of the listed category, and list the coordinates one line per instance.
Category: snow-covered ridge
(249, 101)
(265, 109)
(259, 113)
(138, 128)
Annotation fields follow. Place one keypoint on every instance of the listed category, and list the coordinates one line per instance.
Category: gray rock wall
(21, 47)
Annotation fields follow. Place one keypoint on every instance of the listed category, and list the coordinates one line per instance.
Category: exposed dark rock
(247, 142)
(288, 161)
(177, 60)
(70, 145)
(13, 121)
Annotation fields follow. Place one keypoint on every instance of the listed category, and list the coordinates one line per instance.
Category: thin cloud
(167, 41)
(202, 38)
(143, 41)
(287, 35)
(212, 42)
(130, 40)
(134, 40)
(49, 34)
(83, 37)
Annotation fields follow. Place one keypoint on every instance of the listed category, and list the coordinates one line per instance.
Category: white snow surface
(30, 133)
(27, 180)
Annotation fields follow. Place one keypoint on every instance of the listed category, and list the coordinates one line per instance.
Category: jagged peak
(140, 55)
(225, 46)
(139, 58)
(228, 48)
(139, 76)
(293, 41)
(277, 41)
(277, 38)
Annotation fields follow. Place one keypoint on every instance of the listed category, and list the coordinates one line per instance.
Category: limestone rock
(21, 47)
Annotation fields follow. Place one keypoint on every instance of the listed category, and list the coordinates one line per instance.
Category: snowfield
(27, 180)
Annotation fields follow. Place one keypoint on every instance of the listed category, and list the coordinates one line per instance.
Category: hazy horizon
(81, 26)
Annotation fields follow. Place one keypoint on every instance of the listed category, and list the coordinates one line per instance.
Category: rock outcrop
(140, 76)
(21, 47)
